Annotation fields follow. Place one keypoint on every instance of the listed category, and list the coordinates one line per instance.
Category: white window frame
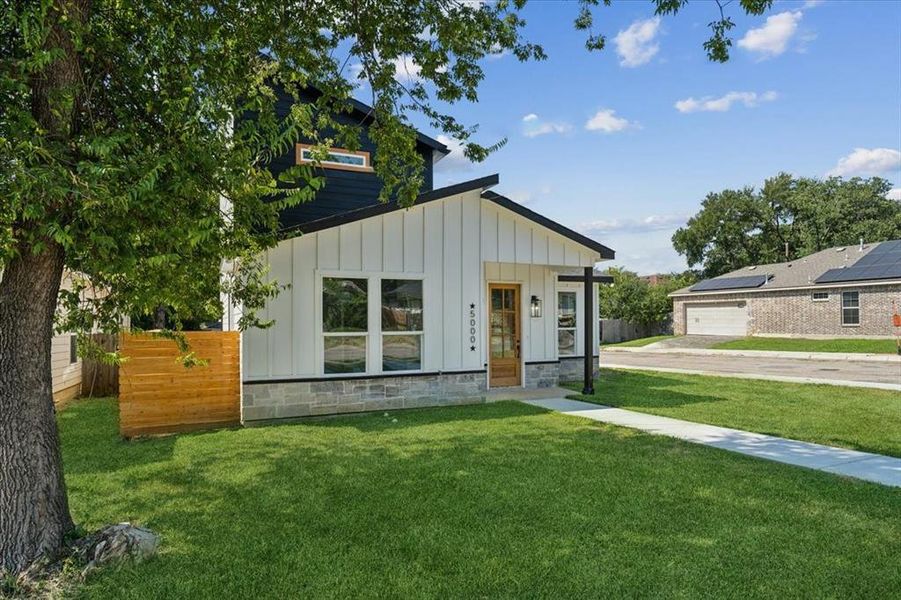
(420, 333)
(575, 328)
(305, 151)
(843, 308)
(813, 297)
(373, 321)
(324, 334)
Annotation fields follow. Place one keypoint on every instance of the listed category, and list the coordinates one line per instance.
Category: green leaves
(787, 219)
(138, 135)
(635, 300)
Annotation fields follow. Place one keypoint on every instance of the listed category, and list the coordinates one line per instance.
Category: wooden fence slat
(97, 379)
(157, 394)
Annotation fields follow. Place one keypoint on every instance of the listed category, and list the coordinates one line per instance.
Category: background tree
(786, 219)
(635, 300)
(124, 158)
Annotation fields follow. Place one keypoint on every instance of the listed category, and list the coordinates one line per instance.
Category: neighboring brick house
(839, 292)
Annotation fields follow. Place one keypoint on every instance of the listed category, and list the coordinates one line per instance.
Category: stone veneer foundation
(572, 368)
(286, 399)
(541, 374)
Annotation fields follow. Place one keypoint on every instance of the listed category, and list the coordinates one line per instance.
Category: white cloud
(772, 39)
(354, 71)
(523, 197)
(533, 126)
(894, 194)
(867, 161)
(456, 160)
(812, 3)
(643, 245)
(497, 53)
(606, 121)
(725, 102)
(649, 223)
(406, 70)
(635, 45)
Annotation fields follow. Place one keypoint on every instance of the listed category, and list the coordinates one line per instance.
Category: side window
(566, 323)
(335, 158)
(73, 349)
(344, 324)
(401, 325)
(850, 308)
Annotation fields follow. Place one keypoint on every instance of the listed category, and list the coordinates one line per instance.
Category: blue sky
(624, 144)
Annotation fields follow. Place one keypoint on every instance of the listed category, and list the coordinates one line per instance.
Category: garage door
(727, 318)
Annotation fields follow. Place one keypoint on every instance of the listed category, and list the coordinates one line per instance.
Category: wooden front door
(503, 335)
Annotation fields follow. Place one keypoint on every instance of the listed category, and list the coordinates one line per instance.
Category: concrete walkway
(851, 463)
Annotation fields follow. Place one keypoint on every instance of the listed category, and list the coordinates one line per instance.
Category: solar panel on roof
(882, 262)
(730, 283)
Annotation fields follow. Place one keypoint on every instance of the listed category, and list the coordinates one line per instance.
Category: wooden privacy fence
(158, 394)
(617, 330)
(98, 379)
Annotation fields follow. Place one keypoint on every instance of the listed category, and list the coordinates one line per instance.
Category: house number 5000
(472, 327)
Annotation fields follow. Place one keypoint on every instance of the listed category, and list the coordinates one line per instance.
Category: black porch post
(588, 346)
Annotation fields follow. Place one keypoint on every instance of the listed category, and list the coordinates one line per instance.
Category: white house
(392, 307)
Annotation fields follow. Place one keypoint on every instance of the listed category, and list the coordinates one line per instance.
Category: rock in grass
(117, 543)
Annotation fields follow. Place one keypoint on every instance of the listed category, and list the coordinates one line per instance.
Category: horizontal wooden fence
(158, 394)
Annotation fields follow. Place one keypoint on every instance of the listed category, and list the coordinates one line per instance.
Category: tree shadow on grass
(416, 417)
(491, 500)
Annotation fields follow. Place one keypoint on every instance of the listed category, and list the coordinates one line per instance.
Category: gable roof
(482, 183)
(366, 114)
(604, 251)
(802, 272)
(381, 208)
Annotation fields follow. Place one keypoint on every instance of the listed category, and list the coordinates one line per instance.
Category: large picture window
(401, 324)
(344, 324)
(851, 308)
(566, 323)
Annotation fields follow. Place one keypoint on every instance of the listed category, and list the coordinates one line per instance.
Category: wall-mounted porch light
(535, 307)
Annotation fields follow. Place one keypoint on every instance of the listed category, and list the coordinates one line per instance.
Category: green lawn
(862, 419)
(498, 500)
(640, 341)
(805, 345)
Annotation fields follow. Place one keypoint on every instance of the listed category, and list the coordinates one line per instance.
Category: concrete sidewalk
(850, 463)
(873, 385)
(814, 356)
(880, 375)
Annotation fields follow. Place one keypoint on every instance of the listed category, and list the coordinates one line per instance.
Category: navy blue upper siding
(344, 190)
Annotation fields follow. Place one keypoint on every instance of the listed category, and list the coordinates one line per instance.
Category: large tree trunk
(34, 510)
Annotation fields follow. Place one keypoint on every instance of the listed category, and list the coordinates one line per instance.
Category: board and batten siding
(455, 245)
